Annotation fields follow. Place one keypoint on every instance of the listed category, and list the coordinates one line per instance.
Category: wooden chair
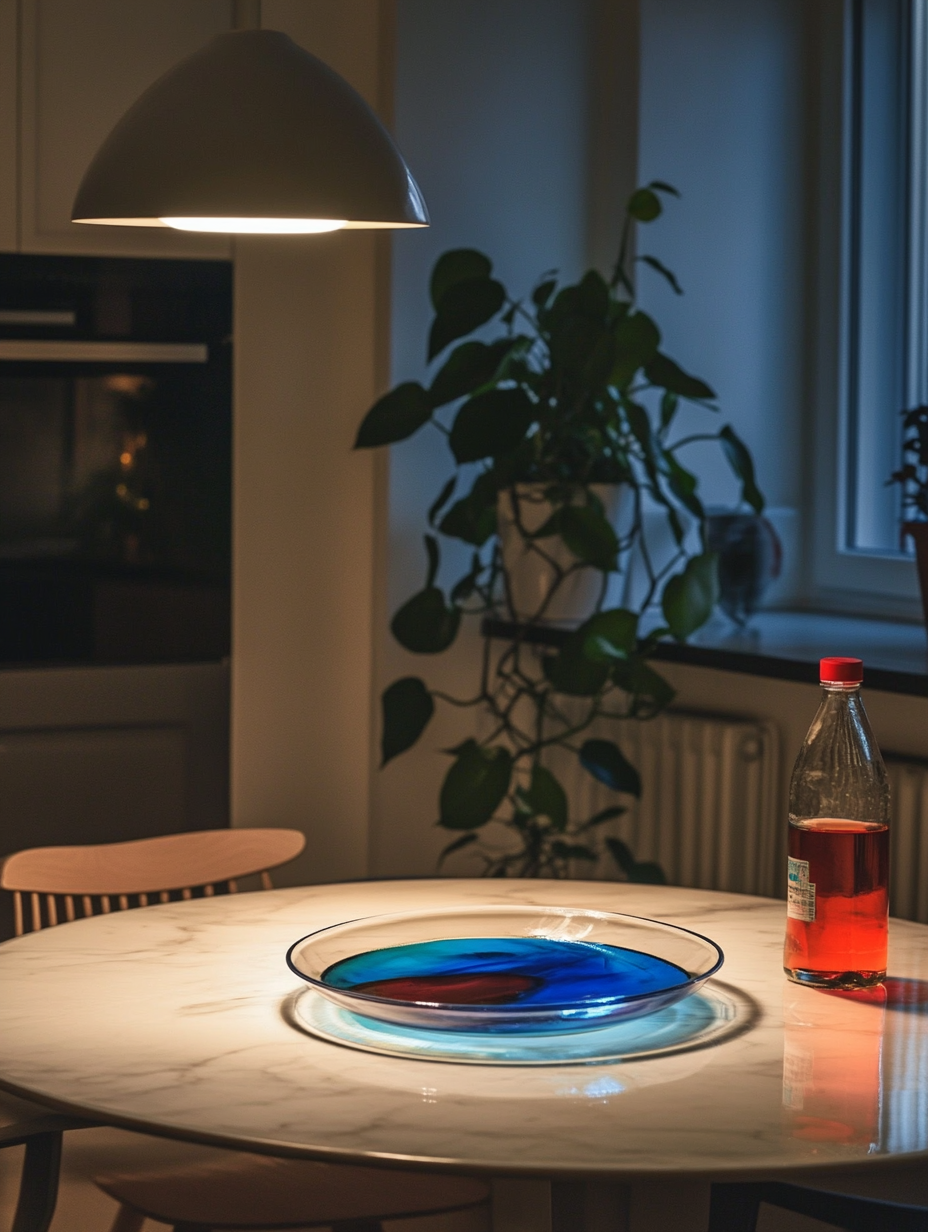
(236, 1190)
(142, 870)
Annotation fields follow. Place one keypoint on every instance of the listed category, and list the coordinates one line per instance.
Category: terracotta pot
(918, 532)
(530, 575)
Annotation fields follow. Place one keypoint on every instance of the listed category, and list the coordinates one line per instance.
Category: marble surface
(173, 1018)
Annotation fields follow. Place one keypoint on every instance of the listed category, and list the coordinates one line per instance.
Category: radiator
(908, 839)
(710, 807)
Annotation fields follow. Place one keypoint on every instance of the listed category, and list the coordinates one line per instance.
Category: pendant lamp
(250, 134)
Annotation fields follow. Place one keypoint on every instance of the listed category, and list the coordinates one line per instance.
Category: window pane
(878, 276)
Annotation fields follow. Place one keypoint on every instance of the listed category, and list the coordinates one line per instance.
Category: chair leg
(128, 1220)
(38, 1188)
(734, 1207)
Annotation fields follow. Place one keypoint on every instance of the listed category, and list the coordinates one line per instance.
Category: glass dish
(523, 969)
(712, 1015)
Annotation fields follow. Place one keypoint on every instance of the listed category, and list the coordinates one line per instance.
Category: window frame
(868, 581)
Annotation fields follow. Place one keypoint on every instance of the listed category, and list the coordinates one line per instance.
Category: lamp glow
(258, 226)
(250, 134)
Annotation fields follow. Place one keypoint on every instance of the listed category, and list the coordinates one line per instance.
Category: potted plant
(913, 478)
(568, 411)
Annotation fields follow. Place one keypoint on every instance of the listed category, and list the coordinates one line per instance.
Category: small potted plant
(913, 478)
(562, 426)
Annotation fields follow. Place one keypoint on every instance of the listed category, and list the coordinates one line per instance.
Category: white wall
(308, 336)
(491, 113)
(721, 119)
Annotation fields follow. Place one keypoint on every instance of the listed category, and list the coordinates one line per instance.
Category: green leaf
(609, 635)
(571, 672)
(474, 787)
(640, 425)
(604, 815)
(395, 416)
(606, 762)
(644, 205)
(431, 551)
(663, 271)
(543, 292)
(546, 797)
(690, 596)
(663, 372)
(645, 872)
(664, 187)
(621, 853)
(669, 405)
(683, 484)
(407, 708)
(473, 518)
(463, 308)
(469, 366)
(587, 533)
(424, 624)
(455, 845)
(490, 424)
(741, 462)
(649, 690)
(637, 339)
(441, 500)
(457, 265)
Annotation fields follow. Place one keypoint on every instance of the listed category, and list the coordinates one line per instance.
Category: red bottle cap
(841, 671)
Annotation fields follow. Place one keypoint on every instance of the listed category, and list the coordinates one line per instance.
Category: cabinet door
(82, 66)
(8, 93)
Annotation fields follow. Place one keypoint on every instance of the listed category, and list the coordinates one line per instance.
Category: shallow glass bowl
(504, 968)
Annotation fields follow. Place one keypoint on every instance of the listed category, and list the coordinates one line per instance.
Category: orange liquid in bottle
(842, 939)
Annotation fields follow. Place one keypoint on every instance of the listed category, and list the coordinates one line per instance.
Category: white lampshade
(250, 134)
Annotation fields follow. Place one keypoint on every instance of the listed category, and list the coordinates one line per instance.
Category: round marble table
(172, 1019)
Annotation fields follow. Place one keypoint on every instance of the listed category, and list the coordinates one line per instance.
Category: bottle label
(800, 891)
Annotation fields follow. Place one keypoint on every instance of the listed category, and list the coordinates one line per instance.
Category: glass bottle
(838, 866)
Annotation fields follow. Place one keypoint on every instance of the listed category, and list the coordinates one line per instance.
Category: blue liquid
(523, 971)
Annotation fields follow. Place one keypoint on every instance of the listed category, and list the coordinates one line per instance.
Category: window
(881, 285)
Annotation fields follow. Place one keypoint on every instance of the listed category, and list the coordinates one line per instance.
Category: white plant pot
(531, 576)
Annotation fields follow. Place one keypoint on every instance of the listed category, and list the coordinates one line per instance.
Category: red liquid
(490, 988)
(845, 945)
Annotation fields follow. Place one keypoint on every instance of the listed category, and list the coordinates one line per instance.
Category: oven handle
(48, 350)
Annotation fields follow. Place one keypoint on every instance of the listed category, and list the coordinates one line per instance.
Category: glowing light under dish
(258, 226)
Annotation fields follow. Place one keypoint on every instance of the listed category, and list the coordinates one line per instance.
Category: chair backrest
(171, 863)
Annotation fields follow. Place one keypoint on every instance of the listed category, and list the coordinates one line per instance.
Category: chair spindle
(143, 900)
(36, 912)
(123, 902)
(52, 908)
(233, 885)
(186, 893)
(105, 904)
(18, 913)
(87, 904)
(266, 883)
(69, 908)
(164, 896)
(209, 890)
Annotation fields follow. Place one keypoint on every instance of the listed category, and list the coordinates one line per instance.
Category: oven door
(115, 500)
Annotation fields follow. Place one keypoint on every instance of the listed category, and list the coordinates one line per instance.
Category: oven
(115, 460)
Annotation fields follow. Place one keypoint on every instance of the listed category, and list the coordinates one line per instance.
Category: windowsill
(788, 646)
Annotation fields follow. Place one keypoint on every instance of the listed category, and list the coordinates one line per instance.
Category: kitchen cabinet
(80, 67)
(8, 134)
